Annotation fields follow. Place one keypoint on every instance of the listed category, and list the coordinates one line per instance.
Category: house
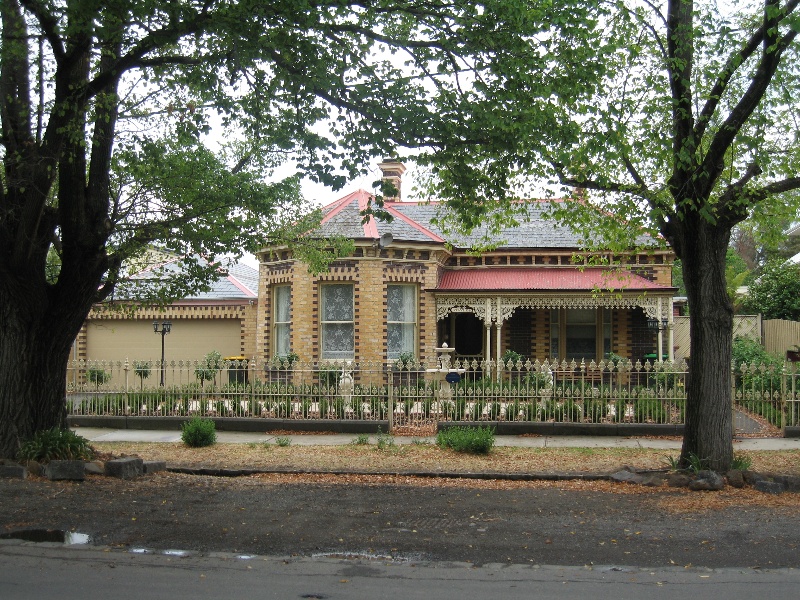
(220, 319)
(407, 289)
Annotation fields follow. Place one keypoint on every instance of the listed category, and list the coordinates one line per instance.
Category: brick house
(405, 290)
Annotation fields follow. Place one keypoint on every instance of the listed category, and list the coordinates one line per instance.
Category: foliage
(406, 360)
(141, 368)
(185, 127)
(283, 441)
(649, 409)
(97, 376)
(362, 439)
(751, 353)
(55, 444)
(510, 358)
(209, 367)
(286, 360)
(384, 440)
(741, 462)
(198, 432)
(736, 275)
(684, 129)
(695, 464)
(775, 293)
(471, 440)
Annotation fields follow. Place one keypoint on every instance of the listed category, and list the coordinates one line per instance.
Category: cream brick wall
(370, 272)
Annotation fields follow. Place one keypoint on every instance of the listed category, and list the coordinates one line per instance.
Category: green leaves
(775, 293)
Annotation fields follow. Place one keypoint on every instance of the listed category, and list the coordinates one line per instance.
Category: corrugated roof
(544, 278)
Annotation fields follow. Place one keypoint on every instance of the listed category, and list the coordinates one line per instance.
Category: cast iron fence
(614, 391)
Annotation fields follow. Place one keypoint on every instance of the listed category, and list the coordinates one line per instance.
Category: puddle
(362, 556)
(58, 536)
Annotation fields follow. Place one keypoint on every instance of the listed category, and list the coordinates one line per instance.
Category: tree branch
(773, 48)
(731, 66)
(680, 49)
(49, 25)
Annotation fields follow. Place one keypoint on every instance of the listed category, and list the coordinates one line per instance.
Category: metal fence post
(390, 399)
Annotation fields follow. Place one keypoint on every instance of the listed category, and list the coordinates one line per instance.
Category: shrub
(566, 411)
(97, 376)
(596, 410)
(141, 368)
(384, 440)
(55, 444)
(751, 353)
(741, 462)
(472, 440)
(198, 432)
(649, 409)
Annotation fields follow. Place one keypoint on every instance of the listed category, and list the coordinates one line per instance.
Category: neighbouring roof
(240, 282)
(413, 222)
(545, 279)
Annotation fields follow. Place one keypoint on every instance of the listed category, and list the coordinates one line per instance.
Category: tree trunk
(709, 411)
(35, 342)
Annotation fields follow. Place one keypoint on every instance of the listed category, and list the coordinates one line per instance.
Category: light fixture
(166, 327)
(654, 325)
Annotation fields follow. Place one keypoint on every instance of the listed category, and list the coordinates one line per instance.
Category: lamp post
(163, 328)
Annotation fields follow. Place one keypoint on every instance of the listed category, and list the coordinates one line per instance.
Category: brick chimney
(392, 173)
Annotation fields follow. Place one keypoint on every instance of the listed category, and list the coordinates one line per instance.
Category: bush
(55, 444)
(752, 353)
(650, 409)
(198, 432)
(472, 440)
(97, 376)
(596, 410)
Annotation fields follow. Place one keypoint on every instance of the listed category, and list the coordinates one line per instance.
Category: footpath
(336, 439)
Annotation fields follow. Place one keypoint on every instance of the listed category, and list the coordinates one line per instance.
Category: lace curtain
(401, 314)
(337, 321)
(282, 298)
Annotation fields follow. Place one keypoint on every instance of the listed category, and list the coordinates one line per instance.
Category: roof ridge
(415, 224)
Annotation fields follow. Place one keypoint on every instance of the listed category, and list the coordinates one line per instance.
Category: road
(36, 571)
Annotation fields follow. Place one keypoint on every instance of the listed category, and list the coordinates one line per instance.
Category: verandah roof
(515, 279)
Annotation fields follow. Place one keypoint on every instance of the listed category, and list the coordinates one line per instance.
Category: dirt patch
(424, 457)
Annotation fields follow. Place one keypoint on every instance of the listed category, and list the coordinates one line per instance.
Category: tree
(775, 294)
(692, 131)
(209, 367)
(142, 369)
(105, 107)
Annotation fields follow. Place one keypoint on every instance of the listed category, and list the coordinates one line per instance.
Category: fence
(403, 393)
(743, 326)
(781, 335)
(417, 393)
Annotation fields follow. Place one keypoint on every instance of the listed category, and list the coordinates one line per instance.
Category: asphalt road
(526, 525)
(36, 572)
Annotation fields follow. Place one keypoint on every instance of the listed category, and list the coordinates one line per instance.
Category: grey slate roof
(534, 230)
(241, 282)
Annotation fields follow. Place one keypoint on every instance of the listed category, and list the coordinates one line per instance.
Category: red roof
(544, 278)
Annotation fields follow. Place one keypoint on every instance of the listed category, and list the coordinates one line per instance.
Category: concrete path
(235, 437)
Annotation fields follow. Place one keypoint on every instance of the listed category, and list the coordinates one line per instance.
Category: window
(336, 321)
(401, 318)
(580, 333)
(281, 319)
